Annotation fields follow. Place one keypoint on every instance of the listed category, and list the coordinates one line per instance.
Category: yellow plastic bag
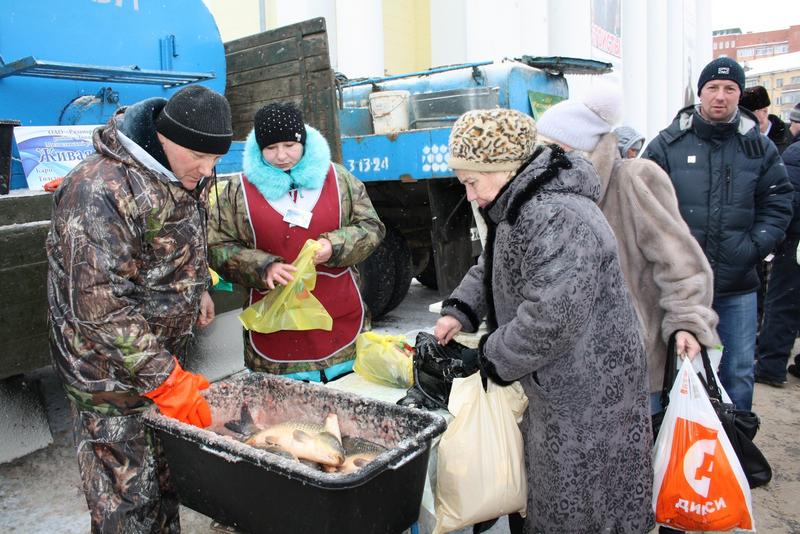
(291, 307)
(481, 466)
(385, 359)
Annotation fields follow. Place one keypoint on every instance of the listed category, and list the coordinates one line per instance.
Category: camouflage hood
(127, 268)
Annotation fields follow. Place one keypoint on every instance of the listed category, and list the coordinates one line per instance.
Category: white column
(569, 28)
(634, 61)
(534, 27)
(448, 32)
(359, 39)
(702, 41)
(494, 29)
(675, 55)
(658, 112)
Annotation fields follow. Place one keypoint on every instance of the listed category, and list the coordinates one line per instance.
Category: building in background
(780, 76)
(743, 47)
(657, 48)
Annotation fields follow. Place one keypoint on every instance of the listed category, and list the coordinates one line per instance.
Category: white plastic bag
(481, 465)
(699, 484)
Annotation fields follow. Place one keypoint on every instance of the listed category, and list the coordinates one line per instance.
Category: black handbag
(435, 367)
(670, 372)
(740, 426)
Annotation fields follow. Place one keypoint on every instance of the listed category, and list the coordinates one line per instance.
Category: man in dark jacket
(735, 196)
(126, 283)
(756, 99)
(782, 306)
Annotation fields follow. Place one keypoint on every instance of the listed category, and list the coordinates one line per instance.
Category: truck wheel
(377, 279)
(427, 276)
(386, 274)
(402, 268)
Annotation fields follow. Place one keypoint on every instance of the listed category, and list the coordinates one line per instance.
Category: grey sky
(753, 16)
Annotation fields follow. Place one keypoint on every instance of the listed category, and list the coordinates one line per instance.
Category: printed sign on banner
(50, 152)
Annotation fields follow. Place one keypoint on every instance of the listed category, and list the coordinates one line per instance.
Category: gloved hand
(179, 397)
(487, 369)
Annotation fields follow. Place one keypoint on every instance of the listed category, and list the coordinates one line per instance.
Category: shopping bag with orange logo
(293, 306)
(699, 483)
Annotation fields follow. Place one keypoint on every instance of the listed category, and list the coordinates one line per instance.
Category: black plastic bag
(435, 367)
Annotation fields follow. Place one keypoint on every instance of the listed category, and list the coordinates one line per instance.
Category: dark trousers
(781, 313)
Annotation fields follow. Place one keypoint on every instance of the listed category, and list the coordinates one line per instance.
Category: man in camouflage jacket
(127, 282)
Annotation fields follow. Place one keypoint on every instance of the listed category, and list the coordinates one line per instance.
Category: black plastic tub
(259, 492)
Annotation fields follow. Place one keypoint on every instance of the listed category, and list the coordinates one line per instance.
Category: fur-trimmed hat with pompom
(491, 140)
(580, 122)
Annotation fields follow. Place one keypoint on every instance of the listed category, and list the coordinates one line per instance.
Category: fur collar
(541, 175)
(273, 183)
(604, 158)
(558, 161)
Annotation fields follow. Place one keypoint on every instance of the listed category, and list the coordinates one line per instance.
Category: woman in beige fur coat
(667, 272)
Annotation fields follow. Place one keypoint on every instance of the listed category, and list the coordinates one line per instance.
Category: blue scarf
(272, 182)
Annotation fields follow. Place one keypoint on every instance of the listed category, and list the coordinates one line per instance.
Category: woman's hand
(686, 345)
(325, 253)
(206, 310)
(446, 329)
(280, 273)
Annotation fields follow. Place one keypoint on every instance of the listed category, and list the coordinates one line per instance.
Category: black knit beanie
(197, 118)
(722, 68)
(277, 123)
(755, 98)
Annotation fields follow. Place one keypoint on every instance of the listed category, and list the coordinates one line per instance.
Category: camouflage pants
(125, 478)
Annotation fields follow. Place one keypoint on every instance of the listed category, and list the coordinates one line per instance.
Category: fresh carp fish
(304, 440)
(300, 440)
(358, 453)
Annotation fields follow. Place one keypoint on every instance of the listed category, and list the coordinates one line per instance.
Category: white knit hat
(579, 123)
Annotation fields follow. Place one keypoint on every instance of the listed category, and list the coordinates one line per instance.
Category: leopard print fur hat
(491, 140)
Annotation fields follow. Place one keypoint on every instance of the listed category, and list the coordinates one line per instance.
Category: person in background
(782, 304)
(290, 192)
(630, 142)
(667, 273)
(756, 99)
(127, 281)
(734, 195)
(560, 321)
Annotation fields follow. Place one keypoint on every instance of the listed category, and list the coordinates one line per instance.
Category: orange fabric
(700, 490)
(52, 185)
(179, 397)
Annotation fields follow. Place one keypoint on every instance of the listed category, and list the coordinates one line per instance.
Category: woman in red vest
(289, 192)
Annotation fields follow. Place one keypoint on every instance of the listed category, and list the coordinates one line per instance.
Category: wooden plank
(245, 95)
(290, 68)
(264, 55)
(306, 27)
(315, 45)
(19, 356)
(236, 79)
(23, 244)
(22, 284)
(16, 208)
(24, 318)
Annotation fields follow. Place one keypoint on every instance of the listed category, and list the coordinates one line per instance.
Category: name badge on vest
(298, 217)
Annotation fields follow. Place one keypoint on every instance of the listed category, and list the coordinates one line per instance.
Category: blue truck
(77, 65)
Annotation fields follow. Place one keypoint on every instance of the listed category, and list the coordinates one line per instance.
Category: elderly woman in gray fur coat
(669, 277)
(560, 321)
